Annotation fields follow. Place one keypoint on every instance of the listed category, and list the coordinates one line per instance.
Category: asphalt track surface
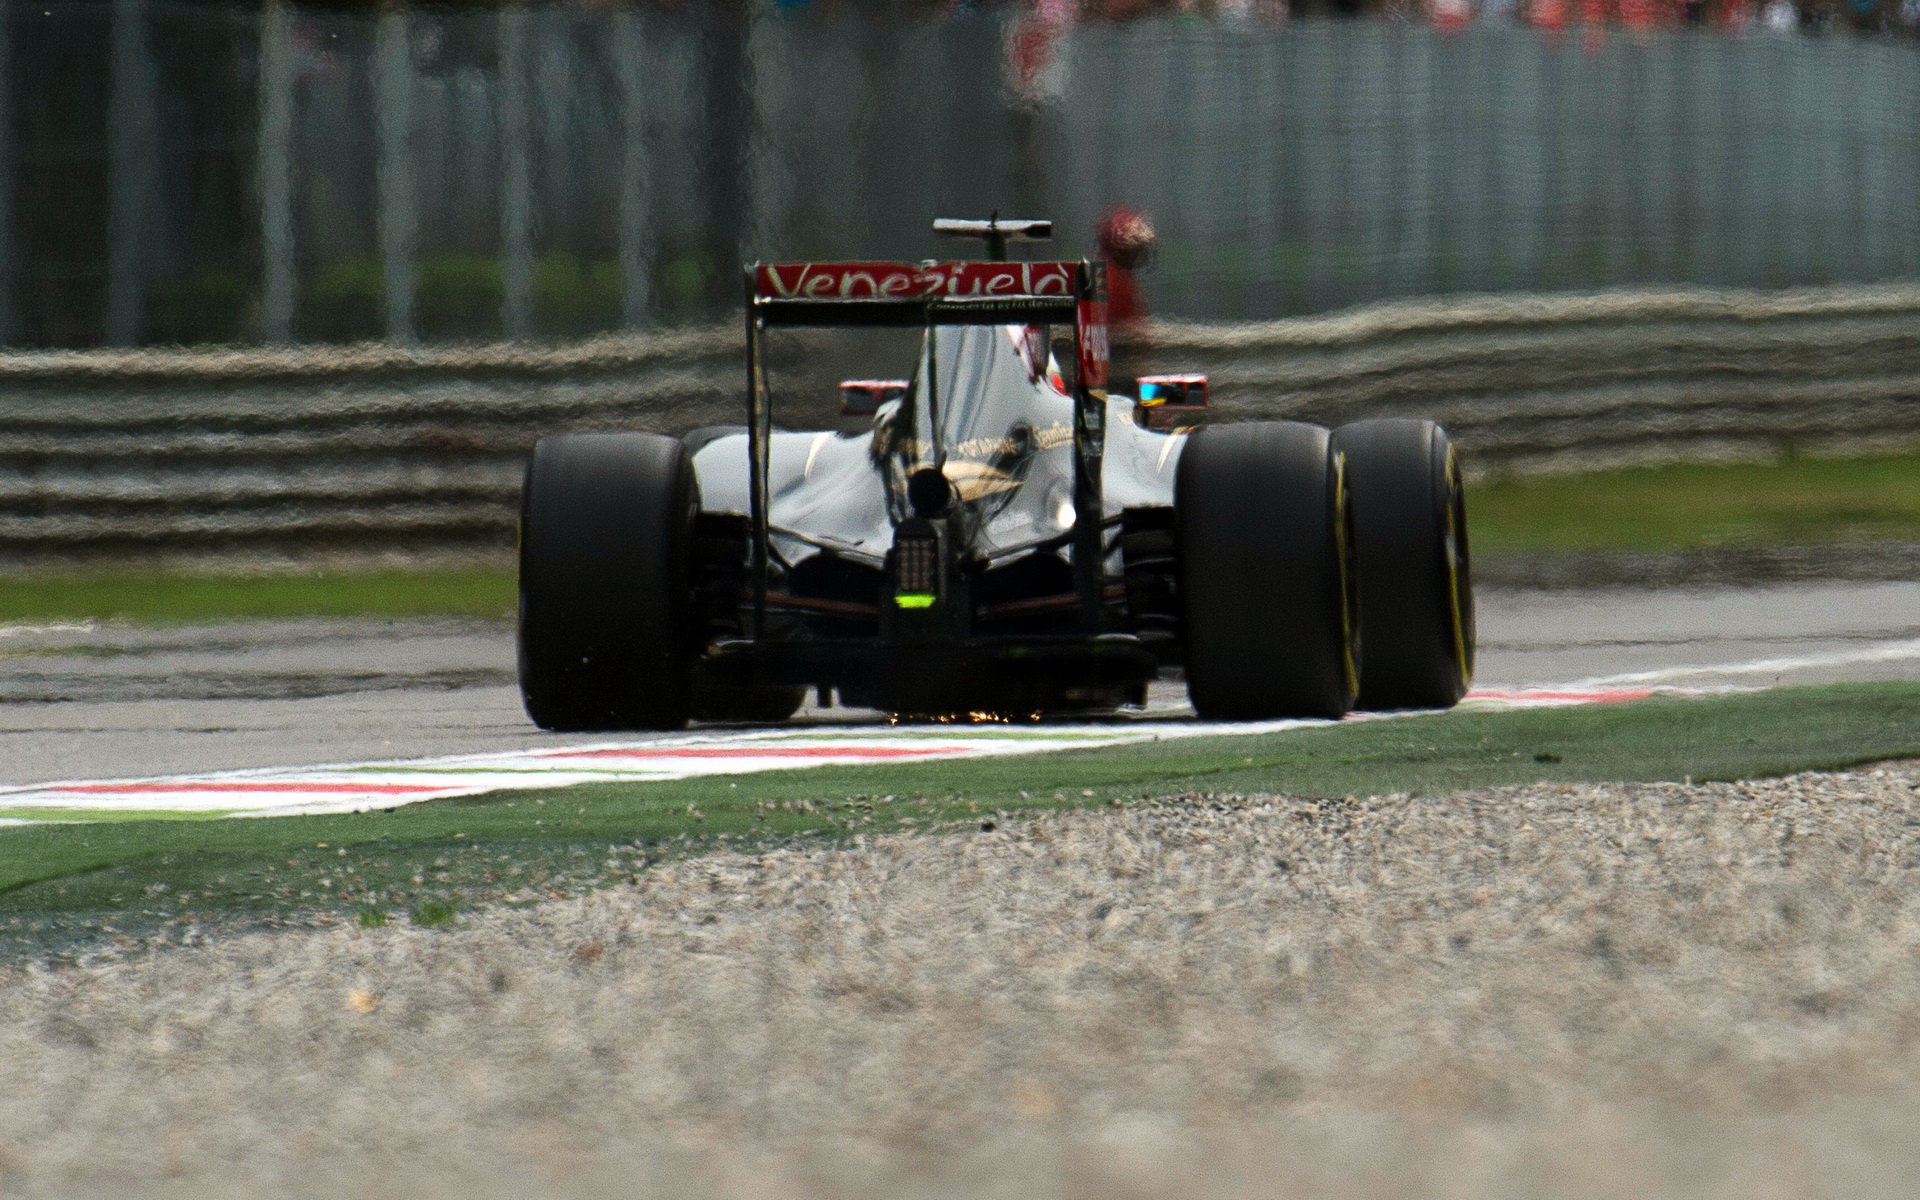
(87, 701)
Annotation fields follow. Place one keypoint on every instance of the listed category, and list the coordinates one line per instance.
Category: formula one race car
(993, 538)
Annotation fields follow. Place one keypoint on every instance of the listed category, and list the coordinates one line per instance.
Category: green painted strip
(114, 814)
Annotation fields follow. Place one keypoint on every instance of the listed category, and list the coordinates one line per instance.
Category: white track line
(1881, 652)
(12, 631)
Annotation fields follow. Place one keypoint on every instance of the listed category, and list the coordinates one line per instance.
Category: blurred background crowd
(1810, 16)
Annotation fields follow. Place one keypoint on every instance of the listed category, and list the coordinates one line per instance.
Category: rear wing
(928, 294)
(933, 293)
(843, 294)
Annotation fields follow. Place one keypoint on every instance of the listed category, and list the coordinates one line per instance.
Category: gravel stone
(1621, 989)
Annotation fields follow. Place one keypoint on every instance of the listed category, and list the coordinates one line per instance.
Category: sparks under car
(997, 538)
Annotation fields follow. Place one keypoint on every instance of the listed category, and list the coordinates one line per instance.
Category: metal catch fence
(174, 172)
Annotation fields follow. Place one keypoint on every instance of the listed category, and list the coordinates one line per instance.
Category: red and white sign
(1036, 70)
(910, 281)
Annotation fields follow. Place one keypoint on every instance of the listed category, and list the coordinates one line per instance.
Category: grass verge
(1691, 506)
(152, 595)
(70, 885)
(1680, 507)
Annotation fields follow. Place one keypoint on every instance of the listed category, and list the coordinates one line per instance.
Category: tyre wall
(373, 448)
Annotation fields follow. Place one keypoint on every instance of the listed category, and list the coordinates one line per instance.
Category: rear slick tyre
(1412, 562)
(1265, 577)
(606, 639)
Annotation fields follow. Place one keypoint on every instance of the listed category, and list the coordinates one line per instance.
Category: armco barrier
(195, 451)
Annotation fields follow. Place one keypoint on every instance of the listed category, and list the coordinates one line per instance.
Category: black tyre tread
(763, 705)
(605, 636)
(1416, 601)
(1264, 579)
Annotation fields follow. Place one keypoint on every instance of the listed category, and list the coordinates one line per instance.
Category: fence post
(516, 191)
(1421, 128)
(636, 247)
(760, 72)
(393, 121)
(9, 325)
(131, 130)
(274, 166)
(1908, 143)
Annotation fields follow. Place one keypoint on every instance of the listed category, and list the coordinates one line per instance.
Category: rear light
(916, 564)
